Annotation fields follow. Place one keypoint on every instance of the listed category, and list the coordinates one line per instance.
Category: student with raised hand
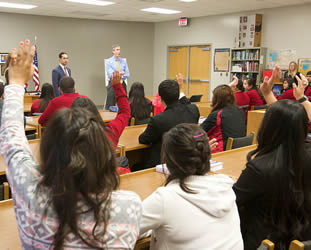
(195, 209)
(226, 119)
(70, 200)
(274, 191)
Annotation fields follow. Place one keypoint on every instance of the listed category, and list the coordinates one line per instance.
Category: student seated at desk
(274, 191)
(67, 88)
(226, 119)
(69, 201)
(195, 209)
(288, 90)
(141, 107)
(47, 94)
(241, 98)
(255, 97)
(174, 113)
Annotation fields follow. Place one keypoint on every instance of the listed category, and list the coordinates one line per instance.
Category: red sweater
(254, 98)
(121, 121)
(35, 107)
(308, 91)
(63, 101)
(288, 94)
(241, 98)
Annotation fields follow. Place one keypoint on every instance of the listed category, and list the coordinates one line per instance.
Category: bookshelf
(248, 62)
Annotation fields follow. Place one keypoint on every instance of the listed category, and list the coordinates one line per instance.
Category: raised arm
(120, 122)
(267, 85)
(299, 93)
(14, 146)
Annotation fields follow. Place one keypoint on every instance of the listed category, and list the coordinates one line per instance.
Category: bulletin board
(221, 60)
(304, 65)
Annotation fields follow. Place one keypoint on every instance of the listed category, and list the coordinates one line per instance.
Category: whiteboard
(282, 58)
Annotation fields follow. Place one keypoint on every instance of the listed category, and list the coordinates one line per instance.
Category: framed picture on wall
(3, 57)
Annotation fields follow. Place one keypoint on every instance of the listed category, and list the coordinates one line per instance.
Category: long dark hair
(185, 151)
(88, 104)
(78, 164)
(282, 134)
(252, 83)
(138, 102)
(222, 97)
(47, 94)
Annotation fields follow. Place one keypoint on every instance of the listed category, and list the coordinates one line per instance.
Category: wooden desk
(27, 107)
(143, 183)
(254, 119)
(204, 108)
(28, 98)
(107, 116)
(129, 137)
(150, 98)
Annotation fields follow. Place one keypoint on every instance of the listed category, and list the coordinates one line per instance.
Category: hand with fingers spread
(180, 79)
(300, 89)
(267, 85)
(115, 78)
(234, 82)
(21, 70)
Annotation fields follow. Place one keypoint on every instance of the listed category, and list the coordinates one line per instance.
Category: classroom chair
(4, 191)
(258, 107)
(266, 245)
(244, 107)
(233, 143)
(195, 98)
(36, 114)
(298, 245)
(143, 244)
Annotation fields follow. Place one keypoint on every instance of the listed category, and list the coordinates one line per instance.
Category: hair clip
(199, 135)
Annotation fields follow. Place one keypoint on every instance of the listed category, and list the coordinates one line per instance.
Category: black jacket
(173, 114)
(255, 193)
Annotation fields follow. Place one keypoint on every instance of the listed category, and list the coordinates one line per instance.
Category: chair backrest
(132, 123)
(143, 244)
(245, 107)
(258, 107)
(233, 143)
(298, 245)
(4, 191)
(36, 114)
(266, 245)
(195, 98)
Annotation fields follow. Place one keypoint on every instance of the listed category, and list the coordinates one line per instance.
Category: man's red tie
(66, 71)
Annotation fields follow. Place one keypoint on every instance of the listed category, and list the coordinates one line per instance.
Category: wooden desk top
(129, 137)
(107, 116)
(27, 107)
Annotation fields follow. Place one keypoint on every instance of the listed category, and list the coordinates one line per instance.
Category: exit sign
(183, 21)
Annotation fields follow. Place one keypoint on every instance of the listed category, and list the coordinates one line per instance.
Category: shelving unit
(248, 62)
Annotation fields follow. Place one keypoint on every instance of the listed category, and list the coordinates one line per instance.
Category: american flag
(35, 77)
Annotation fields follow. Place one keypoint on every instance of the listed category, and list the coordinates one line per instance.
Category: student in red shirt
(288, 90)
(67, 88)
(241, 98)
(255, 97)
(47, 94)
(308, 87)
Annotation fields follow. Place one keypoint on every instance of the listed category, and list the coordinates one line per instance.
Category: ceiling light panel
(17, 5)
(161, 11)
(92, 2)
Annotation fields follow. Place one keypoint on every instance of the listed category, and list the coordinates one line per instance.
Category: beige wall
(88, 43)
(283, 28)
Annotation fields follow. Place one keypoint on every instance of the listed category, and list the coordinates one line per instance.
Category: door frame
(188, 61)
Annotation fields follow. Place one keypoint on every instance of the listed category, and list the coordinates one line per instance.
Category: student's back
(201, 212)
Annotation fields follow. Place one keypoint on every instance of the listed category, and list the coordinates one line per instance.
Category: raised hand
(180, 79)
(22, 69)
(299, 90)
(267, 85)
(234, 82)
(115, 78)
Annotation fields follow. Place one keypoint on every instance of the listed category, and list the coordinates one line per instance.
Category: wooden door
(199, 71)
(178, 61)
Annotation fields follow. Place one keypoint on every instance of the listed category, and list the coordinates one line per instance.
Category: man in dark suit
(60, 71)
(174, 113)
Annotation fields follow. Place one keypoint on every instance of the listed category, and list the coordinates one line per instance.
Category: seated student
(47, 94)
(67, 88)
(195, 209)
(226, 119)
(255, 97)
(1, 99)
(174, 113)
(288, 90)
(69, 201)
(308, 86)
(274, 191)
(141, 107)
(241, 98)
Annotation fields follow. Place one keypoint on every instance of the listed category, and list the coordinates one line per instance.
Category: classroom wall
(88, 43)
(283, 28)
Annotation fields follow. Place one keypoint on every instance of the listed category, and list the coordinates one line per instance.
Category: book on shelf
(215, 166)
(246, 54)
